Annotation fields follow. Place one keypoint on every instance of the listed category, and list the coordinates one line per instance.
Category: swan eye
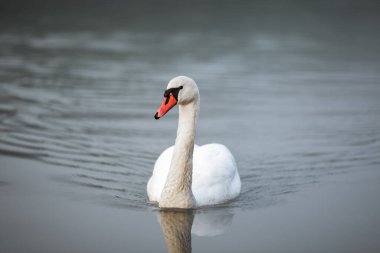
(176, 91)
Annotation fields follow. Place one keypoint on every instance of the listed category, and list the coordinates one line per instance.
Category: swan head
(181, 90)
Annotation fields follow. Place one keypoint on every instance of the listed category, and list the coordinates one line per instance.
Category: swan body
(215, 178)
(186, 175)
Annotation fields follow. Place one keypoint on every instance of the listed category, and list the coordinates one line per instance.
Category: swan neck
(177, 190)
(187, 123)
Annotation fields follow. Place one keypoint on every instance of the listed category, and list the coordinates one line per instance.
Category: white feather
(215, 176)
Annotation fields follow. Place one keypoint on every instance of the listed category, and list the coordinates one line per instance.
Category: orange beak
(166, 105)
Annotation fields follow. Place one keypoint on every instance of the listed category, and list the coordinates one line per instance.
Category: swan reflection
(178, 225)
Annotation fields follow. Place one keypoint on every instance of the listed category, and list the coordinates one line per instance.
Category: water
(292, 89)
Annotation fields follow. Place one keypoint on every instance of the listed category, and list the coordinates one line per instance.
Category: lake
(292, 89)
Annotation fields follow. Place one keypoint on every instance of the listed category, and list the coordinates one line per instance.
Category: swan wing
(160, 172)
(215, 175)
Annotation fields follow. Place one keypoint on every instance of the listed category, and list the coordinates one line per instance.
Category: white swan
(186, 175)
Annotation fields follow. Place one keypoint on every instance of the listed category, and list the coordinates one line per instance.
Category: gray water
(293, 89)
